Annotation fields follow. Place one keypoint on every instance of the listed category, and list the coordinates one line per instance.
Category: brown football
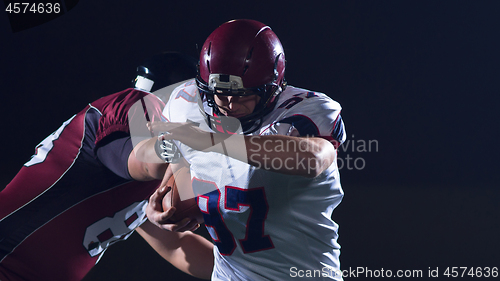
(180, 182)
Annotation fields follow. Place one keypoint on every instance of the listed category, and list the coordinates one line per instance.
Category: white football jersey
(266, 225)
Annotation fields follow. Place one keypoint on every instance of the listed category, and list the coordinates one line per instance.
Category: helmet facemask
(230, 85)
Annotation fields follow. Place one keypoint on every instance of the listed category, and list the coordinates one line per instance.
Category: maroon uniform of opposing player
(82, 191)
(56, 220)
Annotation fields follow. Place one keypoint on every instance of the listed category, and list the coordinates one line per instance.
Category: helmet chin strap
(251, 122)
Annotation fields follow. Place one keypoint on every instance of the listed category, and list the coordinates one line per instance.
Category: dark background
(420, 79)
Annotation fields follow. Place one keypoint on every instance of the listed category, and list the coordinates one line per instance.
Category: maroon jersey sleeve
(113, 143)
(117, 110)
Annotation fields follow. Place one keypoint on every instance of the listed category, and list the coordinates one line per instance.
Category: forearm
(144, 164)
(305, 156)
(187, 251)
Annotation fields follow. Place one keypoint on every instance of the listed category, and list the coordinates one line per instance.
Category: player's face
(236, 106)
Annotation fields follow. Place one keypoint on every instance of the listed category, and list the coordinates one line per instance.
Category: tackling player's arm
(187, 251)
(144, 164)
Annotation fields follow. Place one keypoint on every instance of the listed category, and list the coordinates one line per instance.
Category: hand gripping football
(180, 182)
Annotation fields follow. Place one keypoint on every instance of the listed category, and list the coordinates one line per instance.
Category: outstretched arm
(187, 251)
(305, 156)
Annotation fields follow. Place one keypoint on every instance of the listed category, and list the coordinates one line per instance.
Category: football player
(84, 189)
(262, 156)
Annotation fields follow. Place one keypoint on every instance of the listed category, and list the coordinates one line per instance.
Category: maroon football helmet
(242, 57)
